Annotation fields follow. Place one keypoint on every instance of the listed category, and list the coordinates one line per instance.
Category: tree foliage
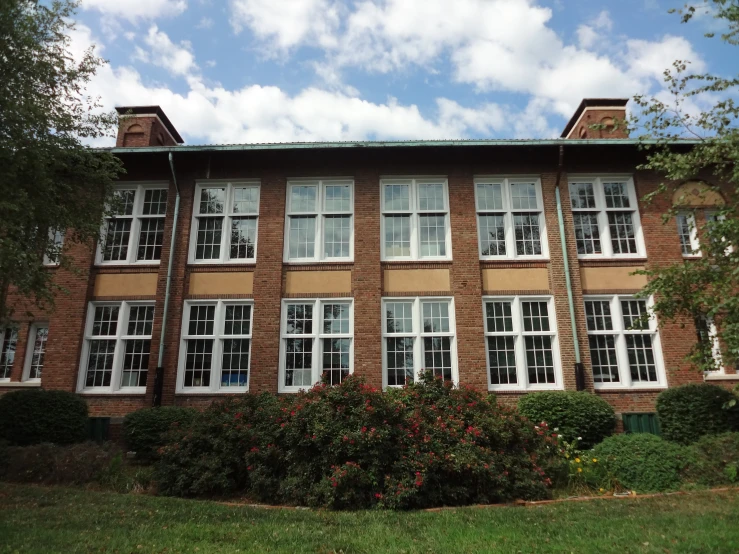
(49, 179)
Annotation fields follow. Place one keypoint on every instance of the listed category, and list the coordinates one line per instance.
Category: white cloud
(589, 35)
(650, 59)
(177, 59)
(136, 9)
(205, 23)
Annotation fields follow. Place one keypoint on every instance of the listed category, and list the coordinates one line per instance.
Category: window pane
(603, 358)
(117, 234)
(587, 234)
(10, 340)
(303, 198)
(523, 196)
(208, 245)
(397, 197)
(502, 360)
(198, 362)
(246, 200)
(237, 319)
(535, 316)
(528, 237)
(437, 352)
(635, 314)
(492, 235)
(135, 363)
(39, 351)
(243, 238)
(140, 320)
(337, 230)
(435, 317)
(100, 363)
(123, 202)
(582, 195)
(155, 202)
(641, 358)
(302, 236)
(298, 362)
(433, 235)
(685, 226)
(616, 194)
(201, 319)
(150, 239)
(336, 318)
(211, 200)
(598, 315)
(399, 361)
(431, 197)
(622, 232)
(490, 196)
(539, 359)
(338, 198)
(235, 371)
(397, 235)
(336, 359)
(498, 317)
(399, 317)
(105, 321)
(299, 319)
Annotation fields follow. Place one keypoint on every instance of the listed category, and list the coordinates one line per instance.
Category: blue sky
(230, 71)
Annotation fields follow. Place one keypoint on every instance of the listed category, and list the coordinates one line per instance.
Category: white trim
(693, 242)
(30, 349)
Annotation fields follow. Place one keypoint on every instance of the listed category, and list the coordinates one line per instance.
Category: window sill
(139, 391)
(346, 261)
(20, 384)
(219, 392)
(222, 262)
(639, 388)
(523, 391)
(600, 258)
(722, 377)
(128, 264)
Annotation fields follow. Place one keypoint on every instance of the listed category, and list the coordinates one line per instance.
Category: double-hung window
(316, 340)
(624, 343)
(418, 334)
(224, 228)
(7, 354)
(415, 219)
(606, 217)
(688, 234)
(135, 231)
(215, 355)
(115, 357)
(56, 239)
(510, 218)
(35, 352)
(319, 225)
(521, 340)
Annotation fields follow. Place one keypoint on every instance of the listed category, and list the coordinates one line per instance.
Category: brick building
(257, 267)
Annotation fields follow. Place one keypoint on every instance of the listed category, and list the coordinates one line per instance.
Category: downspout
(159, 379)
(579, 372)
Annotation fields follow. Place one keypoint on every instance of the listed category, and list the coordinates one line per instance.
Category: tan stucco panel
(316, 282)
(125, 284)
(221, 283)
(533, 278)
(416, 280)
(611, 278)
(696, 194)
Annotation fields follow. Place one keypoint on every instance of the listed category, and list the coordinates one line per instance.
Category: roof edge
(158, 111)
(592, 103)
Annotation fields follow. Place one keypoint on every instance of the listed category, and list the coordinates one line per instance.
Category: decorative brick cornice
(333, 266)
(417, 293)
(531, 292)
(417, 265)
(100, 270)
(510, 264)
(123, 298)
(619, 262)
(588, 292)
(218, 296)
(318, 295)
(215, 268)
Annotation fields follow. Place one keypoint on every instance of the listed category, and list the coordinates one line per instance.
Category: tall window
(521, 338)
(317, 339)
(624, 343)
(510, 221)
(688, 234)
(36, 351)
(115, 356)
(224, 226)
(418, 334)
(319, 225)
(135, 231)
(7, 355)
(606, 218)
(216, 346)
(51, 258)
(415, 219)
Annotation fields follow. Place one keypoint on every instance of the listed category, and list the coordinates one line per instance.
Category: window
(521, 340)
(316, 339)
(134, 233)
(605, 215)
(7, 356)
(51, 258)
(687, 232)
(115, 357)
(319, 224)
(707, 334)
(216, 346)
(224, 228)
(35, 352)
(415, 219)
(624, 343)
(418, 334)
(510, 220)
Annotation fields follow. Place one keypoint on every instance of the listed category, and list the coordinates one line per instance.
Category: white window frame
(57, 238)
(218, 337)
(227, 215)
(320, 214)
(415, 212)
(317, 335)
(418, 334)
(120, 337)
(604, 230)
(508, 212)
(622, 356)
(518, 333)
(3, 330)
(136, 217)
(692, 242)
(30, 351)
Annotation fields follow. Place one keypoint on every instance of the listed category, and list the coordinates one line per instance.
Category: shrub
(573, 414)
(688, 412)
(144, 430)
(642, 461)
(716, 460)
(37, 416)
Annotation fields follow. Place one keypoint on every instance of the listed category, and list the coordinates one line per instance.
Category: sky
(245, 71)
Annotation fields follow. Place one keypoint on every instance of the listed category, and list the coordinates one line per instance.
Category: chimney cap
(592, 103)
(148, 110)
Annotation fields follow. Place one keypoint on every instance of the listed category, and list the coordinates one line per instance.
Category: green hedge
(574, 414)
(688, 412)
(716, 460)
(36, 416)
(144, 430)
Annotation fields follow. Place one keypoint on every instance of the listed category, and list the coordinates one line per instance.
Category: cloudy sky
(228, 71)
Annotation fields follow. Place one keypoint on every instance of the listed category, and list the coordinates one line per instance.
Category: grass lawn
(34, 519)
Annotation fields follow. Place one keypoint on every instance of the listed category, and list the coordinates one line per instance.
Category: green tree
(695, 136)
(49, 179)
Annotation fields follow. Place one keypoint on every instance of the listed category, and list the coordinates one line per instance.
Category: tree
(684, 142)
(49, 180)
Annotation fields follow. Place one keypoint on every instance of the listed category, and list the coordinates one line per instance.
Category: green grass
(35, 519)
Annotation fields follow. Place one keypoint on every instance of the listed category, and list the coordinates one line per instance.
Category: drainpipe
(159, 378)
(579, 370)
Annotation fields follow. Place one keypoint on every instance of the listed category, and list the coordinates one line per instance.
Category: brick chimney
(592, 111)
(145, 126)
